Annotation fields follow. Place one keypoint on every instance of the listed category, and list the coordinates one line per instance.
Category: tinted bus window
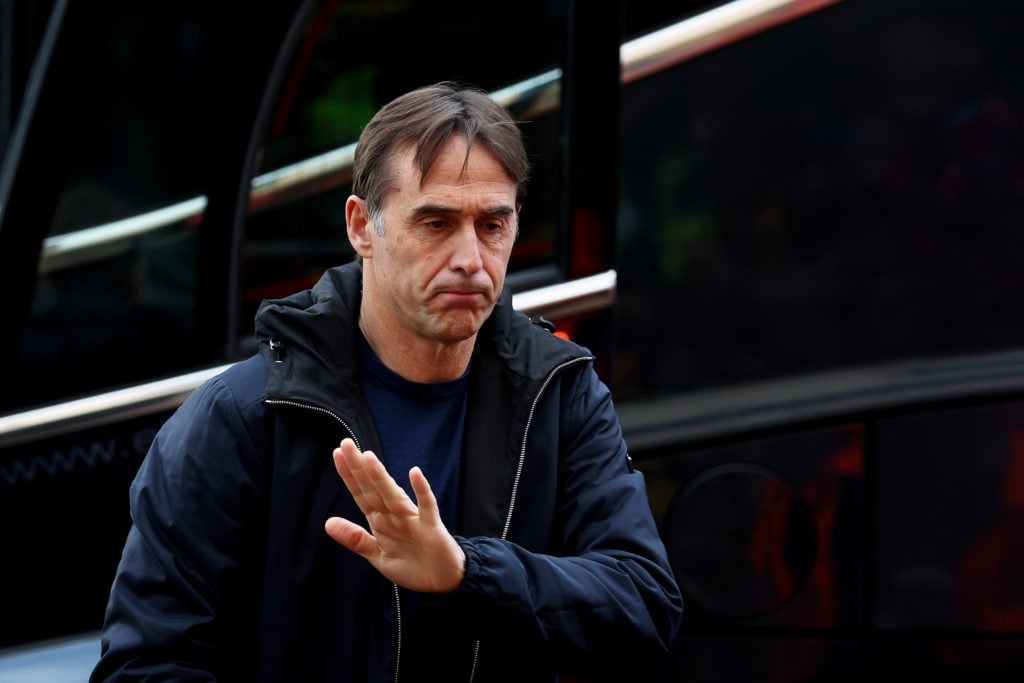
(112, 190)
(842, 190)
(138, 154)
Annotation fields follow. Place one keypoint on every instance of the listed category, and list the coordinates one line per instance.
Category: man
(487, 524)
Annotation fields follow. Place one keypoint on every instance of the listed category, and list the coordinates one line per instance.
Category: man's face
(439, 266)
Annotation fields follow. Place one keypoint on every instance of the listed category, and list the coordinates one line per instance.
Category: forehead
(456, 166)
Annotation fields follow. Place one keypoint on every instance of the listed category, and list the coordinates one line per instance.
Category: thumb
(352, 536)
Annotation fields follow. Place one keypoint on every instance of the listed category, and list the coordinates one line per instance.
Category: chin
(458, 331)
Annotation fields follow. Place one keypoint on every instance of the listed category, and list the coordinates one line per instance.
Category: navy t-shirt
(418, 423)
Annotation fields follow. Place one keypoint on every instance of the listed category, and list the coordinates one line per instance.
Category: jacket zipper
(351, 433)
(512, 500)
(519, 469)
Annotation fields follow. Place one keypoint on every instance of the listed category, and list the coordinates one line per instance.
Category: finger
(371, 485)
(349, 462)
(343, 464)
(346, 446)
(379, 487)
(356, 469)
(425, 499)
(352, 536)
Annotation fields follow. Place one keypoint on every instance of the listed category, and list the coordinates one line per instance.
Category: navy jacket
(228, 574)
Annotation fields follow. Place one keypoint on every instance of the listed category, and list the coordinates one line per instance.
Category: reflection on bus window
(786, 214)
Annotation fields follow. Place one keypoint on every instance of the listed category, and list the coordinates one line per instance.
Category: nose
(466, 254)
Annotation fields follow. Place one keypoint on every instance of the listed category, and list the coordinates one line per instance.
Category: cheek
(499, 247)
(496, 262)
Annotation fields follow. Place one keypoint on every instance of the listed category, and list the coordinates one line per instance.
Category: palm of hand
(406, 542)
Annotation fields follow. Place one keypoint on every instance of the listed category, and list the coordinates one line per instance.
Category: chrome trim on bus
(567, 298)
(110, 239)
(574, 297)
(534, 96)
(708, 31)
(530, 98)
(100, 409)
(855, 394)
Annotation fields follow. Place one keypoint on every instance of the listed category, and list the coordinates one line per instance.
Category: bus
(786, 228)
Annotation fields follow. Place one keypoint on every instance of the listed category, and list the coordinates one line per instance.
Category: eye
(493, 226)
(436, 224)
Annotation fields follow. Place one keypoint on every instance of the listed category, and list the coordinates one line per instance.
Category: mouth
(467, 298)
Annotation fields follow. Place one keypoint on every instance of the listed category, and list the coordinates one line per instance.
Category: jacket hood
(310, 338)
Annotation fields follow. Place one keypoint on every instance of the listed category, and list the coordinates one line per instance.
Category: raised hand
(405, 542)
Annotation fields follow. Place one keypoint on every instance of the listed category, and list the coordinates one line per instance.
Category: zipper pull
(278, 348)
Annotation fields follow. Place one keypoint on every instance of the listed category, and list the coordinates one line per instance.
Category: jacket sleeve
(183, 602)
(604, 603)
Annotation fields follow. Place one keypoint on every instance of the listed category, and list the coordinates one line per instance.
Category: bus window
(116, 170)
(841, 191)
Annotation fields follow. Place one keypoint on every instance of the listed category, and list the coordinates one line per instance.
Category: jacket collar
(309, 339)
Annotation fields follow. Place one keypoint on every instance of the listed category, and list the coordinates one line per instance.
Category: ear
(359, 226)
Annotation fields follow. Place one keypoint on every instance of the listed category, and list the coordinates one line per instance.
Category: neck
(414, 358)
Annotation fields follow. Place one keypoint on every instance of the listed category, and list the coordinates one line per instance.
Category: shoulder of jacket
(242, 384)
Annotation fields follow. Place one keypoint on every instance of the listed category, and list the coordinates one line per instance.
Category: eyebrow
(433, 209)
